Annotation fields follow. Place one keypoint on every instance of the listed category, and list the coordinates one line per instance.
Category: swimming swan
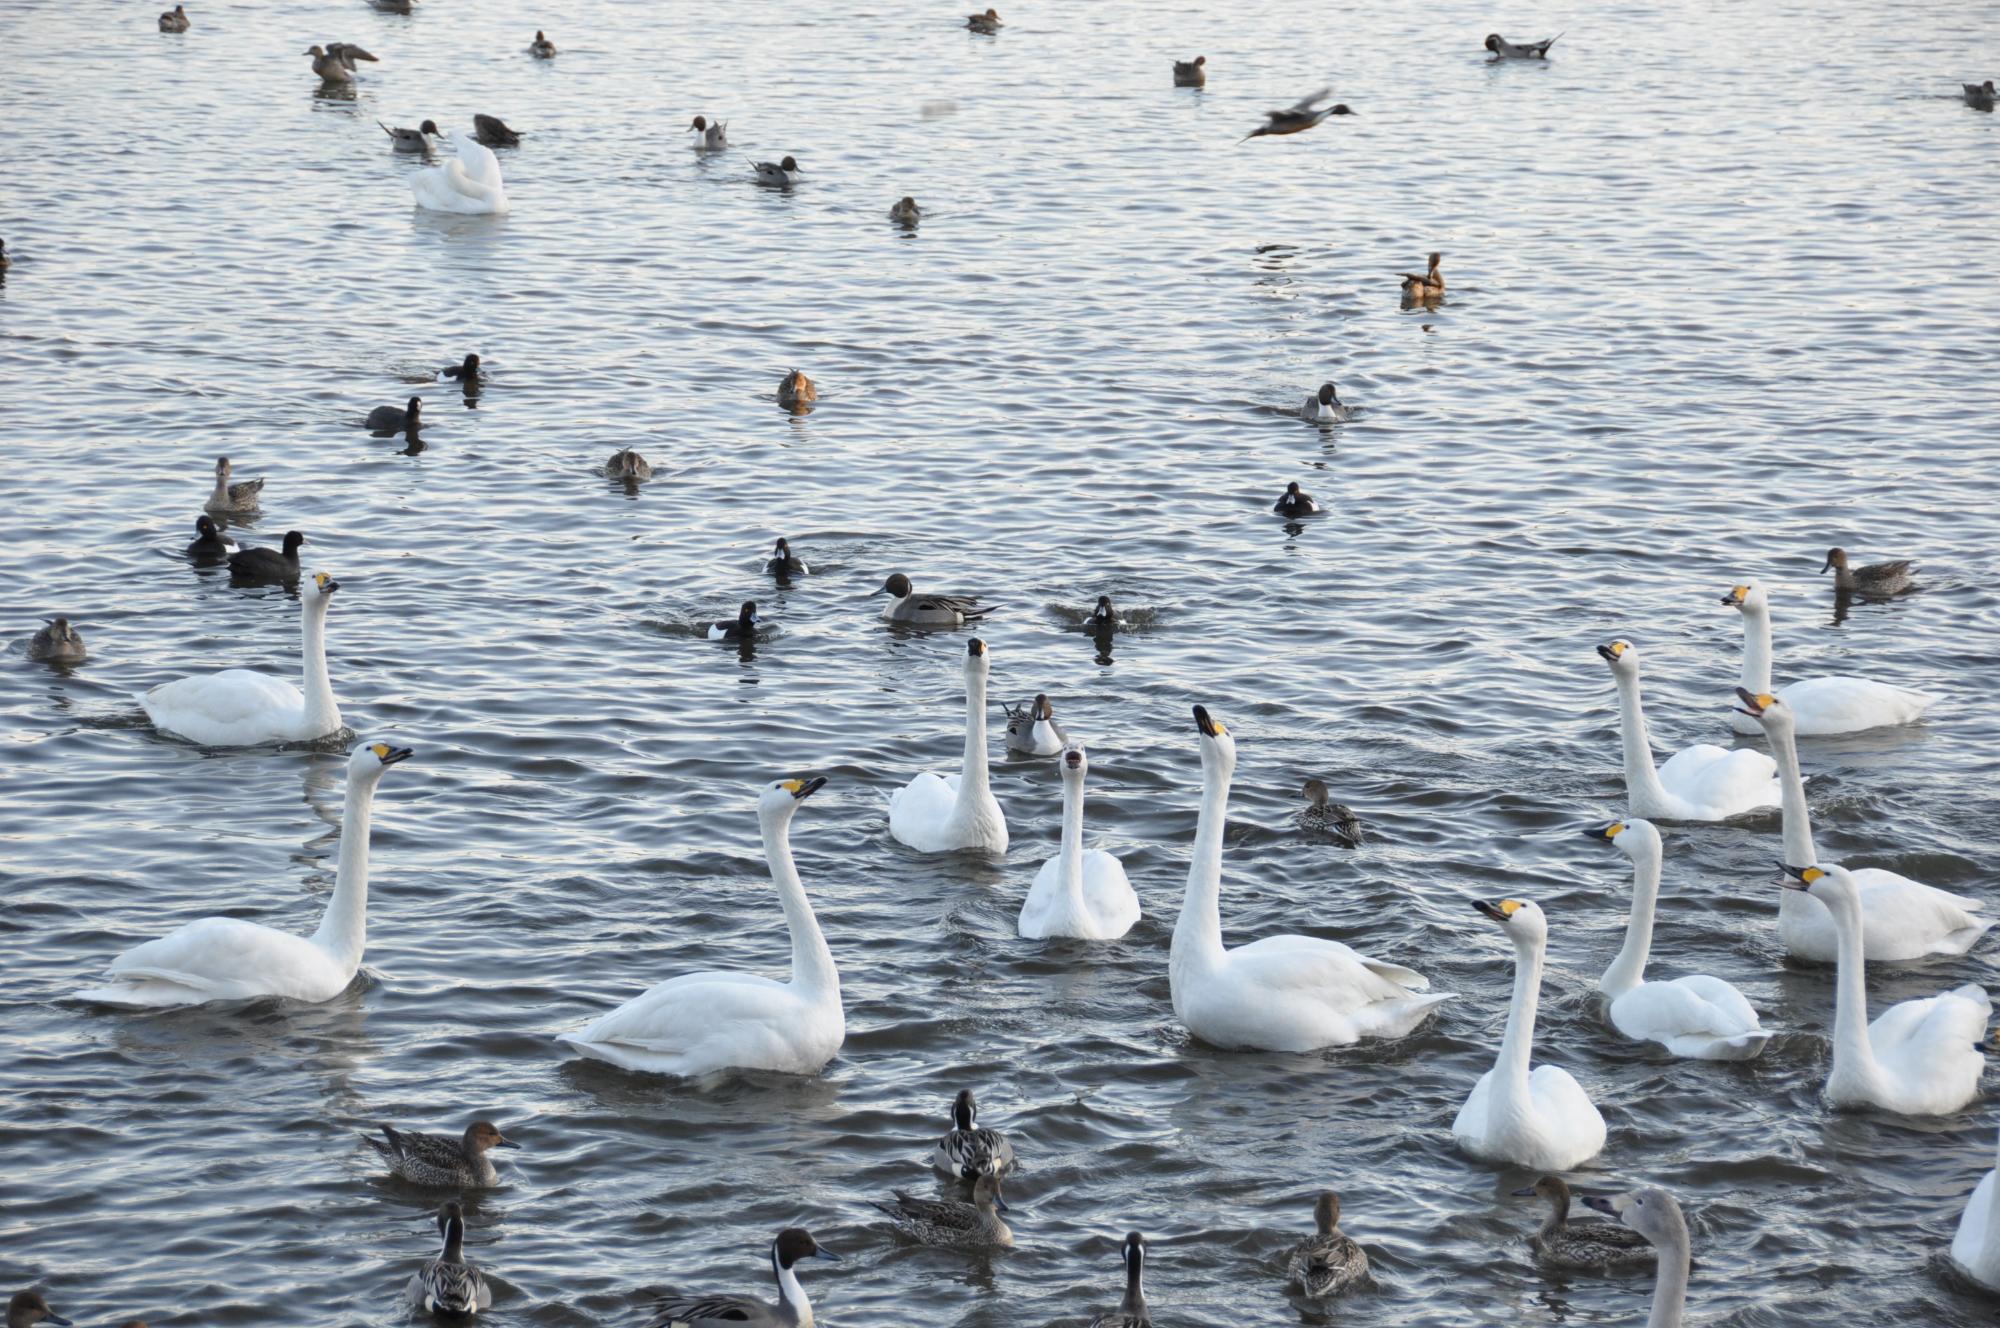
(1078, 894)
(1975, 1250)
(1543, 1119)
(1655, 1215)
(700, 1022)
(1834, 704)
(1901, 919)
(940, 813)
(228, 959)
(468, 183)
(1919, 1058)
(241, 708)
(1281, 993)
(1699, 783)
(1700, 1017)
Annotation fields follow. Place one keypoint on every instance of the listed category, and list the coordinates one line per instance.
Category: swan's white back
(1976, 1246)
(469, 182)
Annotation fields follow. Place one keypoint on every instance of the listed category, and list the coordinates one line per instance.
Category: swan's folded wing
(230, 697)
(922, 806)
(1686, 1007)
(1842, 704)
(224, 957)
(682, 1013)
(1915, 918)
(1323, 970)
(1969, 1244)
(1714, 777)
(1924, 1029)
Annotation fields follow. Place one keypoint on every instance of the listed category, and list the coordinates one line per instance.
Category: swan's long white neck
(1628, 970)
(790, 1292)
(812, 962)
(1638, 744)
(1799, 851)
(1197, 944)
(1756, 649)
(1853, 1053)
(972, 779)
(343, 931)
(322, 711)
(1670, 1287)
(1510, 1071)
(1072, 844)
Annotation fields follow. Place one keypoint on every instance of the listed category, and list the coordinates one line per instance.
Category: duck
(1699, 1017)
(1191, 73)
(792, 1247)
(493, 132)
(699, 1023)
(1298, 118)
(391, 419)
(743, 627)
(57, 643)
(25, 1309)
(450, 1284)
(1918, 1058)
(785, 173)
(241, 496)
(1585, 1246)
(1820, 706)
(268, 565)
(785, 563)
(1979, 96)
(5, 262)
(439, 1161)
(244, 708)
(209, 544)
(1032, 728)
(336, 64)
(541, 47)
(954, 1222)
(1505, 50)
(411, 140)
(229, 959)
(1281, 993)
(1901, 920)
(1516, 1117)
(1078, 894)
(713, 137)
(1294, 502)
(1699, 783)
(1325, 406)
(968, 1147)
(1103, 620)
(905, 212)
(466, 373)
(1428, 286)
(988, 22)
(1329, 1261)
(1324, 816)
(468, 182)
(914, 610)
(1131, 1311)
(627, 465)
(795, 389)
(1654, 1215)
(945, 813)
(1885, 579)
(175, 19)
(1975, 1248)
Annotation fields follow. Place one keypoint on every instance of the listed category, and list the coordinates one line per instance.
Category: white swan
(1078, 894)
(240, 707)
(700, 1022)
(1919, 1058)
(1283, 993)
(1654, 1215)
(1699, 783)
(939, 813)
(469, 183)
(1542, 1120)
(228, 959)
(1835, 704)
(1901, 919)
(1976, 1248)
(1697, 1016)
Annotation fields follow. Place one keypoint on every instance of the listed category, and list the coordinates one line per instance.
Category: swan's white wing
(1685, 1007)
(1114, 905)
(1848, 705)
(1905, 919)
(478, 160)
(1042, 910)
(1968, 1247)
(711, 1021)
(1566, 1115)
(1470, 1122)
(920, 810)
(1929, 1049)
(1291, 967)
(235, 706)
(1717, 783)
(229, 959)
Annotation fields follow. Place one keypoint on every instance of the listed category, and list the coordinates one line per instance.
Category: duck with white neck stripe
(914, 610)
(1131, 1311)
(450, 1284)
(793, 1246)
(1032, 728)
(969, 1146)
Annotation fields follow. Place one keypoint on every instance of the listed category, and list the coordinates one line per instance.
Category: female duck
(57, 643)
(242, 708)
(1032, 728)
(1282, 993)
(174, 20)
(228, 959)
(1892, 578)
(629, 466)
(1699, 783)
(1700, 1017)
(793, 1246)
(1329, 1261)
(954, 1222)
(541, 47)
(1322, 815)
(988, 22)
(970, 1147)
(1542, 1119)
(1325, 407)
(1836, 704)
(702, 1022)
(25, 1309)
(450, 1284)
(1131, 1311)
(1079, 894)
(1586, 1246)
(1655, 1215)
(905, 212)
(1427, 286)
(942, 813)
(226, 497)
(209, 544)
(1975, 1250)
(440, 1161)
(795, 390)
(1191, 73)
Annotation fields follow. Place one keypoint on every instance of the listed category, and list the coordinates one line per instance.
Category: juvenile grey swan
(1329, 1261)
(449, 1284)
(58, 643)
(906, 606)
(793, 1310)
(1294, 502)
(411, 140)
(439, 1161)
(1191, 73)
(241, 496)
(1032, 728)
(27, 1308)
(629, 466)
(1891, 578)
(954, 1222)
(268, 564)
(1131, 1311)
(1587, 1246)
(968, 1146)
(1654, 1214)
(1325, 816)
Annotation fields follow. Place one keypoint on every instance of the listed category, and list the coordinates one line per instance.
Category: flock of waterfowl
(1281, 993)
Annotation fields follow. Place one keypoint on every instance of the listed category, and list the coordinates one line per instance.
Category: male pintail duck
(27, 1308)
(465, 373)
(968, 1146)
(784, 172)
(209, 544)
(1191, 73)
(1587, 1245)
(58, 643)
(714, 137)
(793, 1310)
(795, 389)
(988, 23)
(492, 131)
(1327, 817)
(905, 212)
(1979, 96)
(1328, 1261)
(411, 140)
(1428, 286)
(1297, 119)
(406, 420)
(1505, 50)
(268, 564)
(541, 47)
(175, 19)
(1032, 728)
(785, 563)
(629, 466)
(227, 497)
(743, 627)
(1874, 579)
(450, 1284)
(1294, 502)
(906, 606)
(440, 1161)
(954, 1222)
(1131, 1311)
(1324, 406)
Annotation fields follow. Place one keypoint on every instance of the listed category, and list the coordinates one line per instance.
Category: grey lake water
(1721, 295)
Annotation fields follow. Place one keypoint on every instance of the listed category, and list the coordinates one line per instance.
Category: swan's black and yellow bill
(975, 647)
(804, 788)
(1737, 594)
(324, 580)
(1503, 911)
(1210, 728)
(388, 755)
(1611, 831)
(1754, 703)
(1801, 877)
(1612, 651)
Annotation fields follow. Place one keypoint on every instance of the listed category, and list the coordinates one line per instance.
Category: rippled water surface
(1721, 295)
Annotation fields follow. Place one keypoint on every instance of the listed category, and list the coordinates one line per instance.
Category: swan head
(1636, 839)
(1622, 656)
(796, 1243)
(1073, 763)
(482, 1135)
(1650, 1212)
(1748, 598)
(1766, 709)
(28, 1308)
(977, 662)
(1832, 886)
(1521, 919)
(1326, 1212)
(783, 797)
(1216, 744)
(317, 588)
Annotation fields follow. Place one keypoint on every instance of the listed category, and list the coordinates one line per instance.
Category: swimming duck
(906, 606)
(411, 140)
(335, 63)
(390, 419)
(493, 132)
(1297, 119)
(1329, 1261)
(793, 1310)
(1699, 783)
(988, 23)
(1032, 728)
(25, 1309)
(268, 564)
(743, 627)
(348, 52)
(1191, 73)
(1655, 1215)
(541, 47)
(1294, 502)
(174, 20)
(450, 1284)
(629, 466)
(57, 643)
(784, 173)
(1325, 407)
(795, 390)
(946, 813)
(209, 544)
(465, 373)
(1979, 96)
(1103, 620)
(969, 1147)
(1426, 287)
(1327, 817)
(784, 562)
(1586, 1246)
(440, 1161)
(243, 708)
(954, 1222)
(1875, 579)
(1505, 50)
(905, 212)
(1838, 703)
(1131, 1311)
(226, 497)
(5, 262)
(714, 137)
